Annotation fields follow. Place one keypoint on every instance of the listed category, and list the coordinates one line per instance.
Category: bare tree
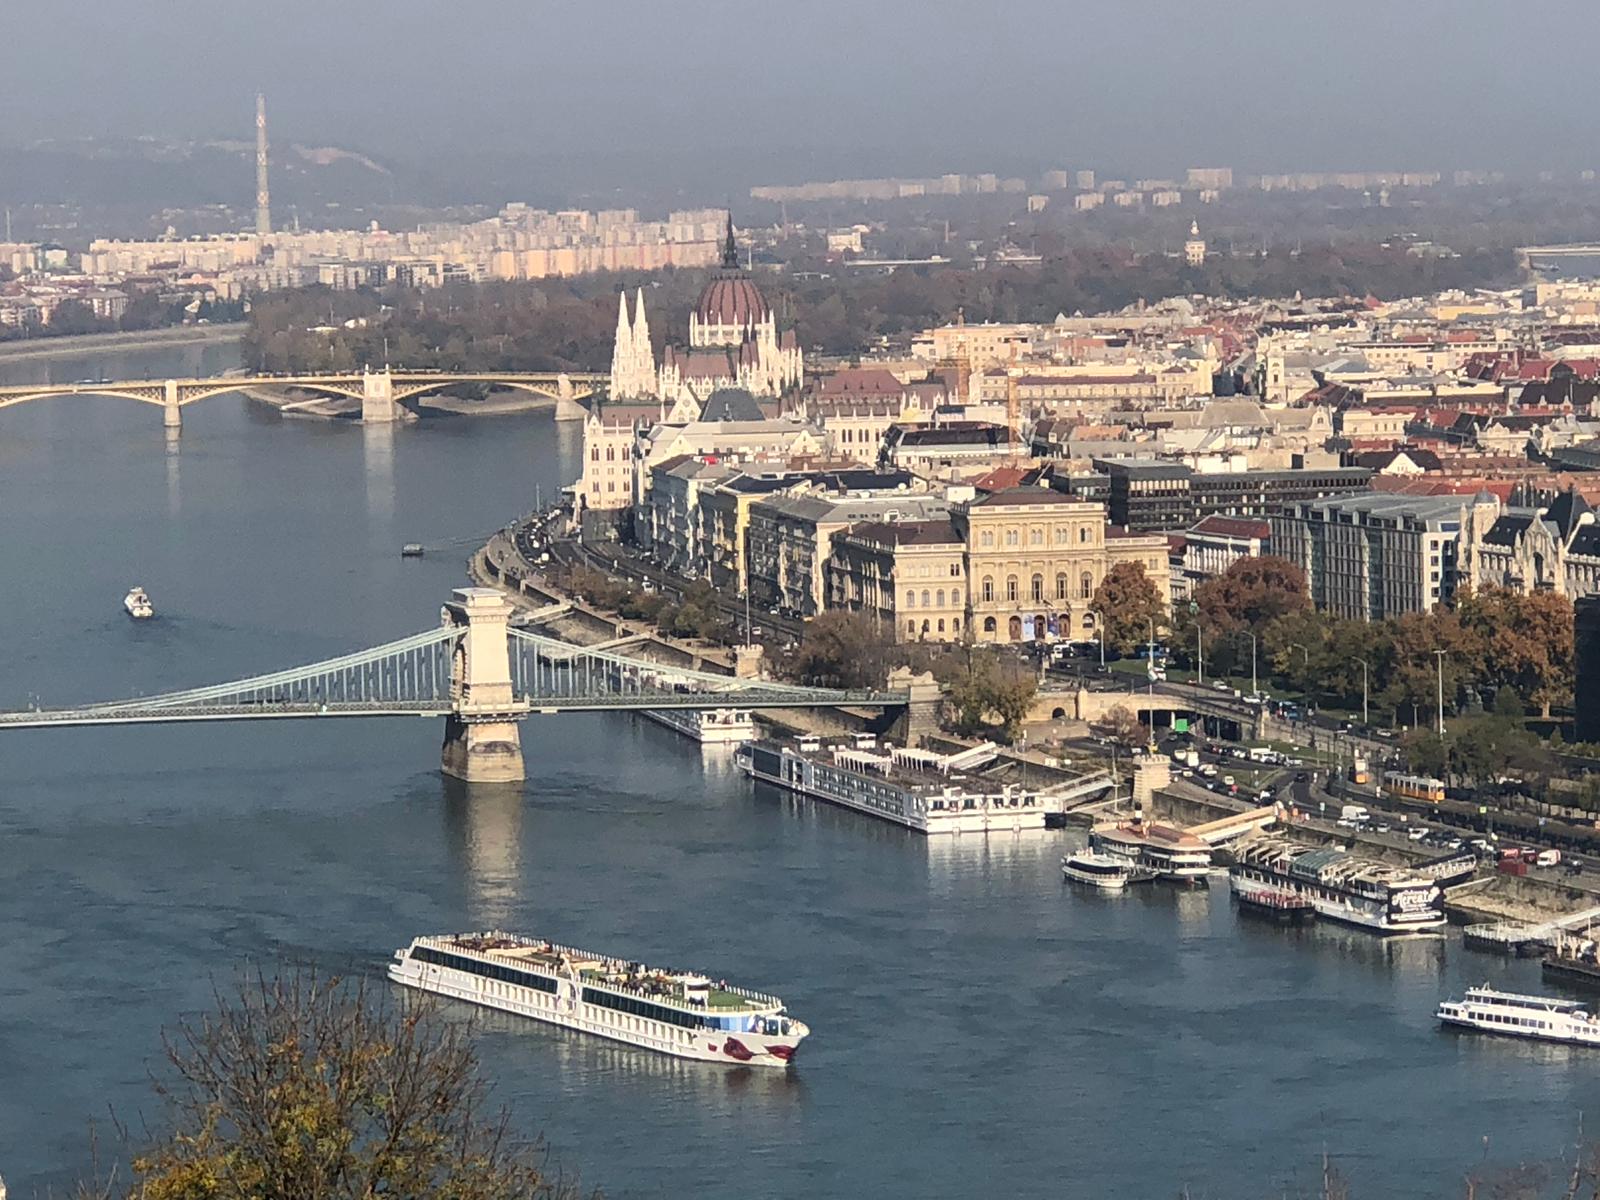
(299, 1087)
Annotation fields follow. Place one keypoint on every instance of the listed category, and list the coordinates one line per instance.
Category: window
(1037, 587)
(955, 596)
(594, 455)
(986, 538)
(955, 570)
(1011, 587)
(911, 627)
(1061, 585)
(1036, 537)
(924, 628)
(988, 624)
(941, 624)
(1011, 537)
(988, 589)
(611, 454)
(1086, 586)
(1083, 533)
(925, 601)
(1061, 535)
(911, 598)
(955, 625)
(939, 597)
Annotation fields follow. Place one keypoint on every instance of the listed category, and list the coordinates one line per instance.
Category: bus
(1414, 787)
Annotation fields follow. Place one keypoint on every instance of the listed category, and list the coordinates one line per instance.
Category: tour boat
(137, 602)
(1543, 1018)
(1102, 870)
(710, 727)
(675, 1012)
(1165, 851)
(1266, 898)
(1341, 886)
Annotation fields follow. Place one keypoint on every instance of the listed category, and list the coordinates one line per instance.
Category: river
(978, 1029)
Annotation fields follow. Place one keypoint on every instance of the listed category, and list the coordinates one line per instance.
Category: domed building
(733, 343)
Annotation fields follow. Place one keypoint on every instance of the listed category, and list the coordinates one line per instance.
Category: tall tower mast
(263, 200)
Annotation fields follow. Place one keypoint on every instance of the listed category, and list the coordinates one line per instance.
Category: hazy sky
(814, 87)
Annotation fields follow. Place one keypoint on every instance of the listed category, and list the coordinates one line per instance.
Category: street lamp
(1364, 668)
(1439, 654)
(1255, 688)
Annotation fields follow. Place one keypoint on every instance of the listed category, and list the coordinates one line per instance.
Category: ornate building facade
(733, 343)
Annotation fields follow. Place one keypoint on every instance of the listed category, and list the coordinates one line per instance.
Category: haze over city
(737, 93)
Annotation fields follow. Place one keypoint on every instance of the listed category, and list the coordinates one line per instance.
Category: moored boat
(1165, 851)
(137, 603)
(1102, 870)
(1542, 1018)
(709, 727)
(1341, 886)
(681, 1013)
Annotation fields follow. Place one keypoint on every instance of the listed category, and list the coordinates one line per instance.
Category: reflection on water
(174, 459)
(377, 456)
(483, 825)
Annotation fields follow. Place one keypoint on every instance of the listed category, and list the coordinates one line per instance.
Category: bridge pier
(567, 406)
(377, 397)
(481, 741)
(171, 413)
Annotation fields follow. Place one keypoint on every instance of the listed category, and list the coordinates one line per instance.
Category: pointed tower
(644, 355)
(730, 248)
(622, 355)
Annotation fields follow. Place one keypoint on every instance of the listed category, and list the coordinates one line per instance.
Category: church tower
(622, 355)
(644, 355)
(1194, 250)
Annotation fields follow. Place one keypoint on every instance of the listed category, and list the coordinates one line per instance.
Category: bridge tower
(171, 414)
(377, 397)
(567, 406)
(481, 740)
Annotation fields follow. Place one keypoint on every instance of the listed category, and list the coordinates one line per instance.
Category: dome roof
(731, 299)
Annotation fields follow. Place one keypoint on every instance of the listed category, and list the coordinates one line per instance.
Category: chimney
(263, 201)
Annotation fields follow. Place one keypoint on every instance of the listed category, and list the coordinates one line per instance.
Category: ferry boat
(1269, 899)
(1102, 871)
(1543, 1018)
(709, 727)
(923, 790)
(1342, 886)
(137, 602)
(675, 1012)
(1165, 851)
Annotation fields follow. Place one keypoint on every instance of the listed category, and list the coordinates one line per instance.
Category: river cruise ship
(1341, 886)
(675, 1012)
(1543, 1018)
(711, 727)
(1165, 851)
(923, 790)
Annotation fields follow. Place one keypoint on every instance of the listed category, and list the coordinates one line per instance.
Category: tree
(1127, 603)
(1250, 593)
(298, 1086)
(986, 686)
(841, 650)
(1527, 642)
(1123, 727)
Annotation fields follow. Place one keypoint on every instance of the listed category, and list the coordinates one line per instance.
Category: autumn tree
(1526, 640)
(985, 686)
(1250, 593)
(302, 1085)
(1127, 602)
(1122, 726)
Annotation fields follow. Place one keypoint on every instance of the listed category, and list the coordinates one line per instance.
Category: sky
(819, 88)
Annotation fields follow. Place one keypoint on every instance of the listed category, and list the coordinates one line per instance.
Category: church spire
(622, 352)
(730, 248)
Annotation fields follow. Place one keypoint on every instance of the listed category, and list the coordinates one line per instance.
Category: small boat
(1542, 1018)
(1102, 870)
(411, 550)
(137, 602)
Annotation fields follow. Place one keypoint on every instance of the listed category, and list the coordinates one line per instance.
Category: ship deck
(650, 983)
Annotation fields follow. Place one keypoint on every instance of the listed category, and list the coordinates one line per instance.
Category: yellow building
(1035, 558)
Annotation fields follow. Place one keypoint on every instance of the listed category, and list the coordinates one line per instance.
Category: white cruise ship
(1543, 1018)
(709, 727)
(1341, 886)
(675, 1012)
(1164, 851)
(1102, 871)
(923, 790)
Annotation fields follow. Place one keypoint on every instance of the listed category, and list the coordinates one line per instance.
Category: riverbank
(297, 402)
(143, 339)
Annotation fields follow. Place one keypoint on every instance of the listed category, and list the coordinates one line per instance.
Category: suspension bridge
(380, 392)
(475, 671)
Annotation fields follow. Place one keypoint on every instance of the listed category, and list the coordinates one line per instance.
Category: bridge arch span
(152, 396)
